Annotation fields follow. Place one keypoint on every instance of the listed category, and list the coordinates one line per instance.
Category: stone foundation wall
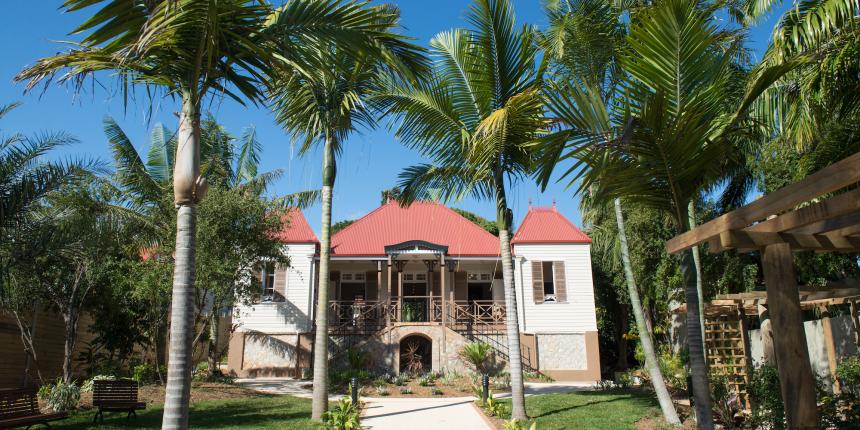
(384, 348)
(562, 351)
(253, 354)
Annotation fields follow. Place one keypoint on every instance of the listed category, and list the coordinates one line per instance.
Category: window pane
(548, 282)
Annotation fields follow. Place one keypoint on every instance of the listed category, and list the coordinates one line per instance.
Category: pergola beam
(836, 206)
(832, 178)
(743, 239)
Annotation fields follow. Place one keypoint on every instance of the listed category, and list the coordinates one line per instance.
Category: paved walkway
(397, 413)
(452, 413)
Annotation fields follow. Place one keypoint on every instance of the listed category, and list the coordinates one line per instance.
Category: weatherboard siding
(577, 314)
(292, 315)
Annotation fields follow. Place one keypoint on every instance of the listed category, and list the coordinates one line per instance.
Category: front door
(414, 297)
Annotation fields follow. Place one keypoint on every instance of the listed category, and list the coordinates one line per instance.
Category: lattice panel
(725, 339)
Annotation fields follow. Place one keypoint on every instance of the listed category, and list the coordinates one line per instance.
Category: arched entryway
(416, 354)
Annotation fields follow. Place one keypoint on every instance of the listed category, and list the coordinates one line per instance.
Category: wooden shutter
(280, 283)
(537, 281)
(461, 286)
(371, 286)
(560, 282)
(436, 283)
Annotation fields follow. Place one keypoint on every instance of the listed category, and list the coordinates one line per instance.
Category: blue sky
(371, 160)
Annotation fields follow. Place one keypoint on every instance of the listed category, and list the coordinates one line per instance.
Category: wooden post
(792, 358)
(388, 294)
(442, 291)
(766, 335)
(855, 323)
(829, 345)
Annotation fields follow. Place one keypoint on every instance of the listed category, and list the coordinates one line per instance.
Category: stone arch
(415, 348)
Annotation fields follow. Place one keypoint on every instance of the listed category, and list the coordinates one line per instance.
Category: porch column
(388, 294)
(792, 358)
(442, 291)
(830, 346)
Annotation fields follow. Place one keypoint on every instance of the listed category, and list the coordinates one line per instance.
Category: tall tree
(193, 49)
(672, 129)
(474, 116)
(26, 178)
(323, 106)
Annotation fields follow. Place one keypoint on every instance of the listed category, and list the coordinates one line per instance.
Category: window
(352, 285)
(267, 277)
(415, 277)
(548, 282)
(479, 277)
(352, 277)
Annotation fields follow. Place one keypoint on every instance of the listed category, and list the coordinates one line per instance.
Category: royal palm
(474, 117)
(323, 106)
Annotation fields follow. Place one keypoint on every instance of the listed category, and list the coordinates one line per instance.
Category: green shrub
(726, 403)
(426, 380)
(405, 390)
(357, 359)
(848, 372)
(502, 381)
(64, 397)
(400, 380)
(768, 409)
(344, 416)
(43, 392)
(88, 384)
(145, 373)
(478, 355)
(382, 390)
(494, 407)
(436, 391)
(624, 380)
(518, 425)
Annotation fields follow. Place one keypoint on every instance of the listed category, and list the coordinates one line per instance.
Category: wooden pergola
(819, 213)
(726, 330)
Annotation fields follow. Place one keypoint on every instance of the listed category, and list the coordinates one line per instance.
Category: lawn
(590, 410)
(275, 412)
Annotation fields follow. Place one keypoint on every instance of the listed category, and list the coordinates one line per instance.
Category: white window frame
(353, 277)
(415, 276)
(549, 298)
(482, 276)
(265, 296)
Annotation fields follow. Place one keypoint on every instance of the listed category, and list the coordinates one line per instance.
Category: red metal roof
(547, 225)
(296, 229)
(391, 224)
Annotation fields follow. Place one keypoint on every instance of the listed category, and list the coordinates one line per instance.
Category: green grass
(277, 412)
(590, 410)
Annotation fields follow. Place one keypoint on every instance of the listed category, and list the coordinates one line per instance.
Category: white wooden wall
(292, 315)
(577, 315)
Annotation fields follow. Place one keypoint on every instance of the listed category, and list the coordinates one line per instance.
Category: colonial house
(426, 278)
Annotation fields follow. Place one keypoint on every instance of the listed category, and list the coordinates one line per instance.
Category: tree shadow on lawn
(244, 413)
(632, 398)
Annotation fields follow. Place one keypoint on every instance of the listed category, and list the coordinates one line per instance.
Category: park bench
(19, 407)
(116, 396)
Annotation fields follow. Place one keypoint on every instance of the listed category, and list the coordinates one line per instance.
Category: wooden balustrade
(347, 315)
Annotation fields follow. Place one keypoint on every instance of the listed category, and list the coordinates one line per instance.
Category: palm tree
(193, 49)
(474, 116)
(671, 133)
(25, 180)
(323, 106)
(585, 40)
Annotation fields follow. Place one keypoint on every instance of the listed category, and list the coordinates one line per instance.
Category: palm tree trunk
(503, 219)
(651, 363)
(691, 208)
(178, 390)
(698, 365)
(320, 397)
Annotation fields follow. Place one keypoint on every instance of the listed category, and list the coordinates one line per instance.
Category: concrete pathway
(452, 413)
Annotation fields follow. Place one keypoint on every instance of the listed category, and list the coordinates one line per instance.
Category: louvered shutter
(560, 282)
(371, 286)
(437, 284)
(537, 281)
(280, 283)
